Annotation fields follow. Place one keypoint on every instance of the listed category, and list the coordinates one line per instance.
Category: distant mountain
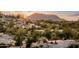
(70, 18)
(74, 17)
(40, 16)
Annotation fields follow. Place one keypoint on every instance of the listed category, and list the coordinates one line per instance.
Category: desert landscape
(39, 29)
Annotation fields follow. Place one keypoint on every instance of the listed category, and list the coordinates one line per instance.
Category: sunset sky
(66, 13)
(54, 12)
(63, 14)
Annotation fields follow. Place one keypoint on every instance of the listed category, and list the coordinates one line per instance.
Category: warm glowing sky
(63, 14)
(49, 12)
(69, 15)
(54, 12)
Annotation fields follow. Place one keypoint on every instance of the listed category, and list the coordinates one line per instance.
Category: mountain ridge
(41, 16)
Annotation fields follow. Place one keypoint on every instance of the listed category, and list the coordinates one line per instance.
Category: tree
(48, 34)
(19, 40)
(19, 36)
(2, 29)
(67, 33)
(10, 27)
(33, 36)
